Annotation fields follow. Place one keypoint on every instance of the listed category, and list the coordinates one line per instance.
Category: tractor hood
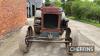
(50, 10)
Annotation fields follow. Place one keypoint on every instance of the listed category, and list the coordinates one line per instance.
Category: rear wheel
(24, 43)
(68, 38)
(75, 38)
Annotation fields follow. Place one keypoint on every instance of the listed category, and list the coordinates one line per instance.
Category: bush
(58, 3)
(83, 10)
(68, 8)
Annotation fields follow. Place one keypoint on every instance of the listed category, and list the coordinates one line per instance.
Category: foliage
(58, 3)
(83, 10)
(97, 2)
(68, 7)
(47, 2)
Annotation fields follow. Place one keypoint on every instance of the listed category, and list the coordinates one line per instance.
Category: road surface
(79, 31)
(85, 34)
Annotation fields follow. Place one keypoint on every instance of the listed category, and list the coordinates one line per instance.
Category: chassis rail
(48, 41)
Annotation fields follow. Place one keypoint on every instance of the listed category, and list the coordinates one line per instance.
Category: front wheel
(22, 46)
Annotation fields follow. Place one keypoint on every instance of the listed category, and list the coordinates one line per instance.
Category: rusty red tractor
(49, 28)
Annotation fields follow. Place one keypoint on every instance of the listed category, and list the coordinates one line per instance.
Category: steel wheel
(28, 37)
(68, 38)
(37, 26)
(22, 46)
(25, 45)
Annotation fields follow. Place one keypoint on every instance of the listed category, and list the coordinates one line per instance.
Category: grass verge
(92, 22)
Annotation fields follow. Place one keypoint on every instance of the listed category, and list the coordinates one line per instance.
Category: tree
(97, 2)
(67, 7)
(47, 2)
(58, 3)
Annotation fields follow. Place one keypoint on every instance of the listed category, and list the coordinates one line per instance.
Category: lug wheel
(36, 30)
(36, 26)
(22, 46)
(28, 37)
(25, 44)
(68, 38)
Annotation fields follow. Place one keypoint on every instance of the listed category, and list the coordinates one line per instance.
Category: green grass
(92, 22)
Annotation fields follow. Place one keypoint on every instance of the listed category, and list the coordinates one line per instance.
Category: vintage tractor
(49, 27)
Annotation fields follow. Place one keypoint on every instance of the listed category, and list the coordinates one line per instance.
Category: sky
(43, 1)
